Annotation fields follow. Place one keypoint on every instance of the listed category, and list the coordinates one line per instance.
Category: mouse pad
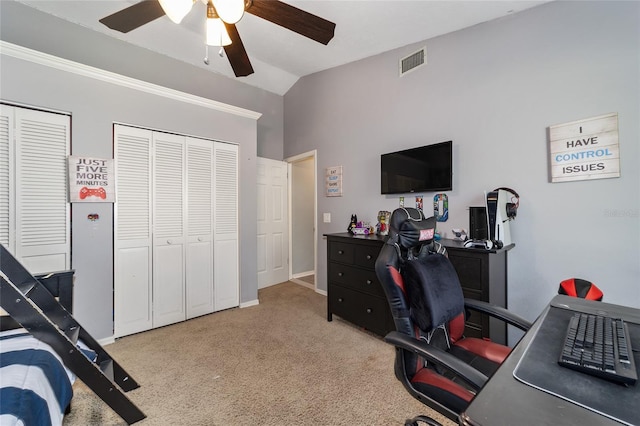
(539, 368)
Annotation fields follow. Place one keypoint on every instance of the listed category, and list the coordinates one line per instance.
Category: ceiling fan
(223, 15)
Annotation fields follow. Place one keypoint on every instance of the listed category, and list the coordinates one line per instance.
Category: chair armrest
(436, 355)
(498, 312)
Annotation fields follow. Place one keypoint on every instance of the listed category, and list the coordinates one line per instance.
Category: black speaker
(478, 223)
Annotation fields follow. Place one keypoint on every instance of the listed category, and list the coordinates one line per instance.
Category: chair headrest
(409, 228)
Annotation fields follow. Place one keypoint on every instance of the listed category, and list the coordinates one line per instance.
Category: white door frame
(313, 155)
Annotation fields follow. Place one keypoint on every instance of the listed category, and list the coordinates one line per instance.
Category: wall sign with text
(585, 149)
(91, 180)
(333, 181)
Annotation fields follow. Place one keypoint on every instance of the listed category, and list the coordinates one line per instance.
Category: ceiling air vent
(413, 61)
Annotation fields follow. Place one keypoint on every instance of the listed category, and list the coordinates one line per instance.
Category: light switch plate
(326, 217)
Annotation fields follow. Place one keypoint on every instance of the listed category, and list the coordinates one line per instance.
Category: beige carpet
(277, 363)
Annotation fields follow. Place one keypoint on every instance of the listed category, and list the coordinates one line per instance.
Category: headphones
(512, 207)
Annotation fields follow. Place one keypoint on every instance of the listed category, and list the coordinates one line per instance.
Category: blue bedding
(35, 387)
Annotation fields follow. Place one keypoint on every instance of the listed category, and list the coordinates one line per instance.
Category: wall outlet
(326, 217)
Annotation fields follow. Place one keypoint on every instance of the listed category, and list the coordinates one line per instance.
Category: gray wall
(95, 105)
(494, 89)
(25, 26)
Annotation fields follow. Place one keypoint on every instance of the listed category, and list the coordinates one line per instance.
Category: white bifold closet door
(199, 266)
(226, 250)
(34, 209)
(132, 228)
(168, 229)
(186, 265)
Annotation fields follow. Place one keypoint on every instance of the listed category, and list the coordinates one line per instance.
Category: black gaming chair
(434, 361)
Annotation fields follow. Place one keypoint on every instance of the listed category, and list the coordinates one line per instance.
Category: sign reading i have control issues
(585, 149)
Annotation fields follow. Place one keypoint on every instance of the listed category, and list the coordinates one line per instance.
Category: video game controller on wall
(92, 192)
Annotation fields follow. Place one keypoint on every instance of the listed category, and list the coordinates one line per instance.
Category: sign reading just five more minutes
(585, 149)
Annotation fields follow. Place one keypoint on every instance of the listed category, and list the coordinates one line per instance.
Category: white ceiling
(280, 57)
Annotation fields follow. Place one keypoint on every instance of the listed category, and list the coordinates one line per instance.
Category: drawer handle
(340, 252)
(340, 274)
(369, 282)
(340, 299)
(368, 257)
(369, 310)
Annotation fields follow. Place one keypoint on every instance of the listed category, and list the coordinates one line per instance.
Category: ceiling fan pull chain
(221, 52)
(206, 54)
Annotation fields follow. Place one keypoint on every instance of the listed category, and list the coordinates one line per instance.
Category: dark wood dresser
(355, 294)
(353, 290)
(483, 276)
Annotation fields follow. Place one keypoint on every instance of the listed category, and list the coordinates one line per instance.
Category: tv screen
(424, 169)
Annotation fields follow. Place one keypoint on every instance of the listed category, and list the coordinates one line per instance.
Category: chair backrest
(578, 287)
(420, 282)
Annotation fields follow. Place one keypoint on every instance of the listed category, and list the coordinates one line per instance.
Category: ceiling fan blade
(236, 53)
(294, 19)
(134, 16)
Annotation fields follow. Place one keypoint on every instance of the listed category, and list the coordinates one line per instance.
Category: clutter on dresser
(352, 223)
(459, 234)
(357, 227)
(382, 228)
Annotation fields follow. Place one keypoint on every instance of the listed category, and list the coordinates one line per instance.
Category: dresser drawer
(366, 256)
(469, 269)
(369, 312)
(352, 277)
(341, 252)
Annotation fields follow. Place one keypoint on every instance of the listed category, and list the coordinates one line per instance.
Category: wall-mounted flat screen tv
(424, 169)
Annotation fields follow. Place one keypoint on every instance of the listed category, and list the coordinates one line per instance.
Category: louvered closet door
(42, 240)
(6, 177)
(168, 229)
(226, 254)
(133, 249)
(199, 259)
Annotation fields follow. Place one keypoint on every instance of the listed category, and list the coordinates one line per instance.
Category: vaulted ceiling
(280, 57)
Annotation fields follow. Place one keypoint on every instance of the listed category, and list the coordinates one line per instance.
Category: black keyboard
(600, 346)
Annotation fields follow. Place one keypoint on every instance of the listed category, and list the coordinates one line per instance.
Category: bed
(35, 386)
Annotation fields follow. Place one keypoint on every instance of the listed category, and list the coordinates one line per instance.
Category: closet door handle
(199, 238)
(169, 242)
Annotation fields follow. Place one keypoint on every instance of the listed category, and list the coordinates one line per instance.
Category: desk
(504, 400)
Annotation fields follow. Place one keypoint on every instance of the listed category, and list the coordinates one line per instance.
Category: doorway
(302, 223)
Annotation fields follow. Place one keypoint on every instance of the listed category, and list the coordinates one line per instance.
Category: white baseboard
(106, 341)
(322, 292)
(303, 283)
(249, 303)
(302, 274)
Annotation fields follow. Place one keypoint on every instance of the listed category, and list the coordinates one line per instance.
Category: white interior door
(41, 215)
(199, 259)
(176, 228)
(132, 224)
(273, 240)
(226, 250)
(168, 229)
(7, 186)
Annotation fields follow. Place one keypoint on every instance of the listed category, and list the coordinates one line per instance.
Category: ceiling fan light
(176, 9)
(217, 33)
(230, 11)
